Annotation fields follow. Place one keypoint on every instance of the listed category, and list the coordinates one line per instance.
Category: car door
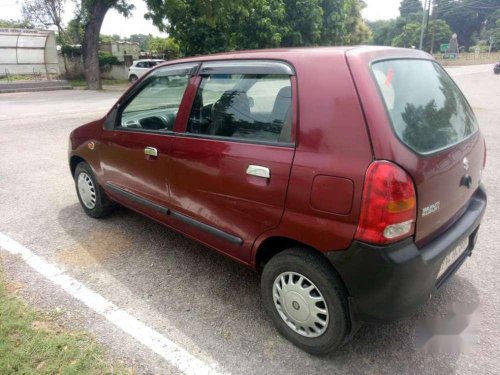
(229, 170)
(135, 151)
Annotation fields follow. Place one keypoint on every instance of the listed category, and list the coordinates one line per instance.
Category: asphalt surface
(202, 301)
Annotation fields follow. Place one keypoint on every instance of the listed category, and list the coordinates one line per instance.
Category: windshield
(427, 110)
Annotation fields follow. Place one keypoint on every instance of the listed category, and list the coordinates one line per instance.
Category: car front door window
(155, 107)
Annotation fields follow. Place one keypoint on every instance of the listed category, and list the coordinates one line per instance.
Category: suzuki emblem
(466, 164)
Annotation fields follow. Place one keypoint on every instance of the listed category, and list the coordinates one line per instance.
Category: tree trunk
(90, 46)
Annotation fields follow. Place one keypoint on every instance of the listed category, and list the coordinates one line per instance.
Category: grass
(105, 82)
(32, 342)
(16, 77)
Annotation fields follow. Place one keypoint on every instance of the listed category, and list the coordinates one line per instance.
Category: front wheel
(133, 78)
(93, 200)
(306, 300)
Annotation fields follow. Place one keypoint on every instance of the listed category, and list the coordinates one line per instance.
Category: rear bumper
(387, 282)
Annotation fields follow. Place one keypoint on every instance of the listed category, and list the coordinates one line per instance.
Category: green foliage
(109, 38)
(164, 46)
(142, 39)
(410, 36)
(302, 23)
(409, 7)
(73, 34)
(384, 31)
(16, 24)
(466, 17)
(356, 30)
(69, 50)
(205, 26)
(107, 59)
(491, 31)
(264, 24)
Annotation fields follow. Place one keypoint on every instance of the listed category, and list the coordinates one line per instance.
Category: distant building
(27, 51)
(122, 50)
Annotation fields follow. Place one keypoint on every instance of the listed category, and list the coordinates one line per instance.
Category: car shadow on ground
(216, 301)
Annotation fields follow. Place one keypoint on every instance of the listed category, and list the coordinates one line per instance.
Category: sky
(114, 23)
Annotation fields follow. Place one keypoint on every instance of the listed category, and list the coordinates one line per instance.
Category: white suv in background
(139, 67)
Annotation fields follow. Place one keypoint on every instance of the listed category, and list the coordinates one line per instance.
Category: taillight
(389, 206)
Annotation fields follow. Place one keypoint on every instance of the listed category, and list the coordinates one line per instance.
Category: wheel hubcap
(86, 190)
(300, 304)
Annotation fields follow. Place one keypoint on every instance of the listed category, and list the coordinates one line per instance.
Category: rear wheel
(133, 78)
(306, 300)
(92, 199)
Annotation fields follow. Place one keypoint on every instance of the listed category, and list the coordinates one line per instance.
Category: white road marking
(170, 351)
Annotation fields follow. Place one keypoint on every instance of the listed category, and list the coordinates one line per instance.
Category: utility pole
(425, 19)
(434, 16)
(427, 22)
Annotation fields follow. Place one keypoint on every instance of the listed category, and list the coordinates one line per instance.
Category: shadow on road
(216, 302)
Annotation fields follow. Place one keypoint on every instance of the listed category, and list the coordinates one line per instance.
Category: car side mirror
(110, 121)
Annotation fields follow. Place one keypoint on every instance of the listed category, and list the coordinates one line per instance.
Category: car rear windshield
(427, 110)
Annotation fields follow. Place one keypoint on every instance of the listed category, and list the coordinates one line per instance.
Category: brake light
(389, 206)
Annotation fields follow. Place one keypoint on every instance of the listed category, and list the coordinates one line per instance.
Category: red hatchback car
(349, 177)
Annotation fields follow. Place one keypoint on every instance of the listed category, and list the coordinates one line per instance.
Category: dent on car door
(229, 171)
(136, 146)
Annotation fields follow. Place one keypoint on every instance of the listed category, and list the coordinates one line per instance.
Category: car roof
(306, 54)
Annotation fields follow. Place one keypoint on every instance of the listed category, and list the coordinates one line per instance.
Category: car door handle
(151, 151)
(259, 171)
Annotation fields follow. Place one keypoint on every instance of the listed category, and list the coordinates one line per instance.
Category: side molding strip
(135, 198)
(207, 228)
(166, 211)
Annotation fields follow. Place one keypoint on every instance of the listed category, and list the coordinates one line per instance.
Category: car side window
(140, 65)
(251, 107)
(155, 107)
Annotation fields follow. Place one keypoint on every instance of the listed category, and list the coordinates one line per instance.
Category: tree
(206, 26)
(356, 29)
(89, 16)
(408, 7)
(91, 13)
(45, 13)
(16, 24)
(466, 17)
(73, 33)
(384, 31)
(142, 39)
(303, 23)
(264, 24)
(167, 47)
(109, 38)
(491, 31)
(410, 35)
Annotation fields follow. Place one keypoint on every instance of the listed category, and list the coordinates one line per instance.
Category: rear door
(427, 126)
(229, 171)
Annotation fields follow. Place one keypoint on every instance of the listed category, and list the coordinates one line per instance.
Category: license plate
(453, 256)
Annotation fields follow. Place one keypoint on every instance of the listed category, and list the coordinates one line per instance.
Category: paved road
(198, 299)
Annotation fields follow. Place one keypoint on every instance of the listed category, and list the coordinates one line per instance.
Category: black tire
(103, 205)
(133, 78)
(315, 268)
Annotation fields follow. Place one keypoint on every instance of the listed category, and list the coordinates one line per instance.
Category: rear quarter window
(427, 109)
